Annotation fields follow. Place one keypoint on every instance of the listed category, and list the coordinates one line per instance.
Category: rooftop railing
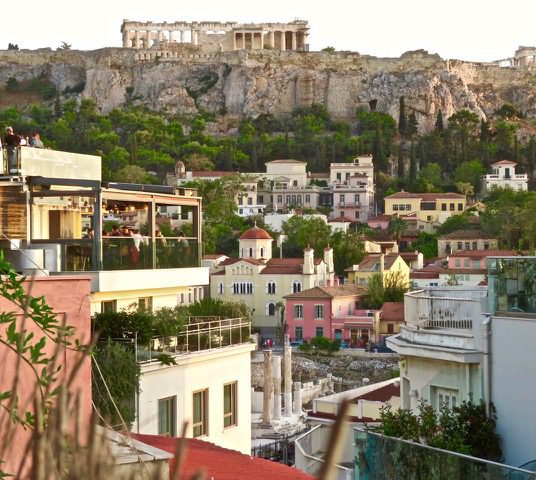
(200, 334)
(436, 312)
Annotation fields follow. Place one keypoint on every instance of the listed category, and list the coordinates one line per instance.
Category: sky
(477, 30)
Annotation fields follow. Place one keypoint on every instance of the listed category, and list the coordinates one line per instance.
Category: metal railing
(425, 311)
(11, 160)
(200, 334)
(307, 462)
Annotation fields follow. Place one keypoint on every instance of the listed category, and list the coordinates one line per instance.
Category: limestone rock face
(242, 84)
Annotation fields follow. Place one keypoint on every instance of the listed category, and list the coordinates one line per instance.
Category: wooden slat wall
(13, 212)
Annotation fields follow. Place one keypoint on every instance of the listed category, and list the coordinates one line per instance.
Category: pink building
(333, 311)
(69, 298)
(475, 259)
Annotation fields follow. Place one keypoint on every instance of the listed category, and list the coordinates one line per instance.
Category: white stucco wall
(197, 371)
(513, 386)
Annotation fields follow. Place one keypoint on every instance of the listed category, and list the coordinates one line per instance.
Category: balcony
(442, 326)
(200, 334)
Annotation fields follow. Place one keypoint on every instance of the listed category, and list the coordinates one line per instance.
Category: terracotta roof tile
(466, 271)
(382, 394)
(255, 233)
(504, 162)
(428, 196)
(221, 463)
(467, 235)
(371, 263)
(343, 219)
(212, 173)
(329, 292)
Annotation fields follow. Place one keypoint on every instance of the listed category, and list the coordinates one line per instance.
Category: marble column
(262, 40)
(272, 39)
(288, 376)
(267, 388)
(294, 43)
(243, 40)
(160, 37)
(137, 39)
(297, 398)
(234, 40)
(277, 387)
(125, 39)
(170, 37)
(252, 36)
(182, 36)
(283, 41)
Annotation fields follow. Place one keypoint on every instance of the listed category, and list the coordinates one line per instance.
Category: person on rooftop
(35, 140)
(11, 142)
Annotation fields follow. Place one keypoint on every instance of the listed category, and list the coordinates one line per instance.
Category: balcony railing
(435, 312)
(200, 334)
(122, 253)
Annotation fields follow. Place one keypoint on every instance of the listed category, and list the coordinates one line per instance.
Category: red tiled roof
(467, 235)
(484, 253)
(330, 292)
(382, 394)
(232, 261)
(409, 255)
(283, 266)
(220, 463)
(419, 274)
(465, 271)
(393, 311)
(380, 218)
(342, 219)
(214, 173)
(504, 162)
(285, 160)
(255, 233)
(428, 196)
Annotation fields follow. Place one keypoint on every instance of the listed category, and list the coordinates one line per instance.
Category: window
(467, 263)
(298, 311)
(356, 200)
(357, 214)
(262, 252)
(475, 246)
(295, 183)
(444, 207)
(200, 413)
(145, 304)
(338, 334)
(452, 207)
(296, 286)
(429, 218)
(280, 199)
(319, 311)
(307, 198)
(251, 252)
(402, 207)
(390, 328)
(270, 309)
(260, 198)
(166, 416)
(288, 199)
(341, 199)
(460, 246)
(220, 288)
(349, 310)
(109, 306)
(298, 333)
(342, 213)
(445, 396)
(448, 248)
(250, 201)
(240, 201)
(457, 263)
(395, 207)
(408, 208)
(460, 207)
(319, 332)
(486, 246)
(229, 405)
(476, 263)
(241, 288)
(270, 287)
(467, 246)
(338, 176)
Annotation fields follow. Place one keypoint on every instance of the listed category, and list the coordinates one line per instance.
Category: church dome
(255, 233)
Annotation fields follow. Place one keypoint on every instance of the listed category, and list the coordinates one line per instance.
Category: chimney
(328, 259)
(308, 261)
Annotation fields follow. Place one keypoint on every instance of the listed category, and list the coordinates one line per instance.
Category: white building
(208, 386)
(459, 344)
(504, 175)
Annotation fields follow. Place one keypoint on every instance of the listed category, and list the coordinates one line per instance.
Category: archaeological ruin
(222, 36)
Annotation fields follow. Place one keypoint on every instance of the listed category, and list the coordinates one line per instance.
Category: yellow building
(378, 263)
(428, 207)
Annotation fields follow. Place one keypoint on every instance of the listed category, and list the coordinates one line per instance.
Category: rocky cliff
(254, 82)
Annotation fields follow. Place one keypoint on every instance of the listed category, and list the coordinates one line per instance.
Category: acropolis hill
(179, 77)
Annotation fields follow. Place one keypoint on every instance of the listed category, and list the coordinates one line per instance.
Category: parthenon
(225, 36)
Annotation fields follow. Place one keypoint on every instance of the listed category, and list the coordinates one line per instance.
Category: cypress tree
(400, 167)
(402, 118)
(439, 122)
(412, 124)
(412, 163)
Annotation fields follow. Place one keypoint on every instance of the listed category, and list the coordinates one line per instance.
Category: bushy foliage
(385, 288)
(465, 428)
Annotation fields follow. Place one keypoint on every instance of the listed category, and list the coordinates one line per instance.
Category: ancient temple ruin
(224, 36)
(523, 57)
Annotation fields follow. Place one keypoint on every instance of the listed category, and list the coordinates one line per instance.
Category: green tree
(413, 125)
(439, 122)
(374, 298)
(397, 227)
(348, 249)
(114, 392)
(402, 118)
(470, 172)
(426, 243)
(303, 232)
